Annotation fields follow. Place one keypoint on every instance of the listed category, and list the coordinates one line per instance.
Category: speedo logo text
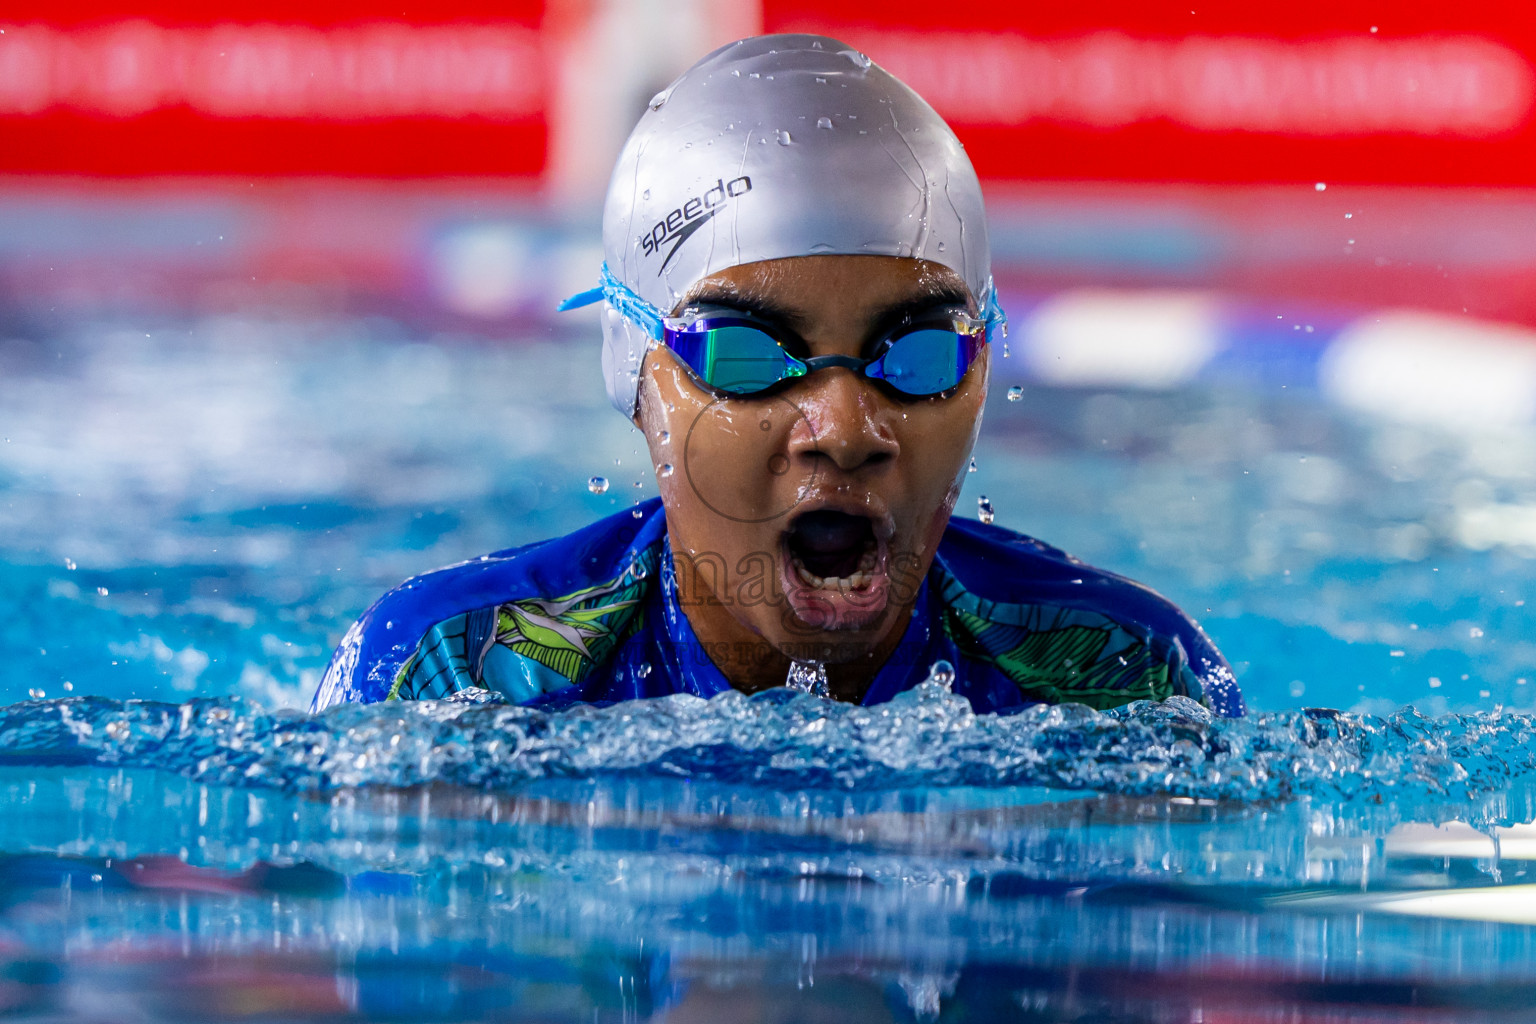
(679, 225)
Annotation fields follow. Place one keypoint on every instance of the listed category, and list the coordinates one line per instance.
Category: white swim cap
(771, 147)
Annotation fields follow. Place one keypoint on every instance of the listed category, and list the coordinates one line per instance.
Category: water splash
(926, 737)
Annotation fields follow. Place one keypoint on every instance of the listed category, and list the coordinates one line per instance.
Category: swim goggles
(740, 354)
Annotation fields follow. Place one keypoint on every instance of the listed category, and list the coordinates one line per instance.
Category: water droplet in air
(984, 510)
(69, 564)
(783, 137)
(102, 591)
(1321, 186)
(942, 672)
(637, 513)
(1015, 393)
(664, 470)
(1476, 633)
(644, 669)
(823, 122)
(972, 467)
(597, 484)
(807, 677)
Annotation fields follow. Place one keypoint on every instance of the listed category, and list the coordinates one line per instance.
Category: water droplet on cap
(858, 59)
(646, 194)
(823, 122)
(783, 137)
(657, 100)
(597, 484)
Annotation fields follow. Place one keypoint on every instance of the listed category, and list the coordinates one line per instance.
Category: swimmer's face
(803, 520)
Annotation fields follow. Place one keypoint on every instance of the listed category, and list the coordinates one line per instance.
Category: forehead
(851, 285)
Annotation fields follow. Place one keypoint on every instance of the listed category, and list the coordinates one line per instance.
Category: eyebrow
(745, 301)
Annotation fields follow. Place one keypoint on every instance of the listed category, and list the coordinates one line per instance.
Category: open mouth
(833, 550)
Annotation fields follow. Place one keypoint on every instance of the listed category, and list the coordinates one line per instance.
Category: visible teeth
(860, 579)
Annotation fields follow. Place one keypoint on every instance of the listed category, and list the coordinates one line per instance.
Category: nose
(845, 421)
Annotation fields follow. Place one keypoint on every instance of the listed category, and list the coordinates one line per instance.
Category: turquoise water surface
(193, 509)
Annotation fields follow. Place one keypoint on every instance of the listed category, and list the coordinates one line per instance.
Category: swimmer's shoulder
(367, 664)
(998, 579)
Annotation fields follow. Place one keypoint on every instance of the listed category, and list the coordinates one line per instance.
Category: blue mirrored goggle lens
(926, 361)
(737, 358)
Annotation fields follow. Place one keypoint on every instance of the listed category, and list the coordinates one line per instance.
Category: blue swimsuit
(596, 617)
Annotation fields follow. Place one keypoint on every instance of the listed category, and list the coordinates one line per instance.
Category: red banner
(1344, 91)
(458, 91)
(1109, 90)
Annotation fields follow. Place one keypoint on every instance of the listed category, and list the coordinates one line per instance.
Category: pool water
(193, 509)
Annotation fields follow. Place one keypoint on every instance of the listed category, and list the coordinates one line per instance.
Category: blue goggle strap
(630, 306)
(646, 316)
(992, 313)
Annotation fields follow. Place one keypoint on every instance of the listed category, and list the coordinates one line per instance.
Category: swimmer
(799, 316)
